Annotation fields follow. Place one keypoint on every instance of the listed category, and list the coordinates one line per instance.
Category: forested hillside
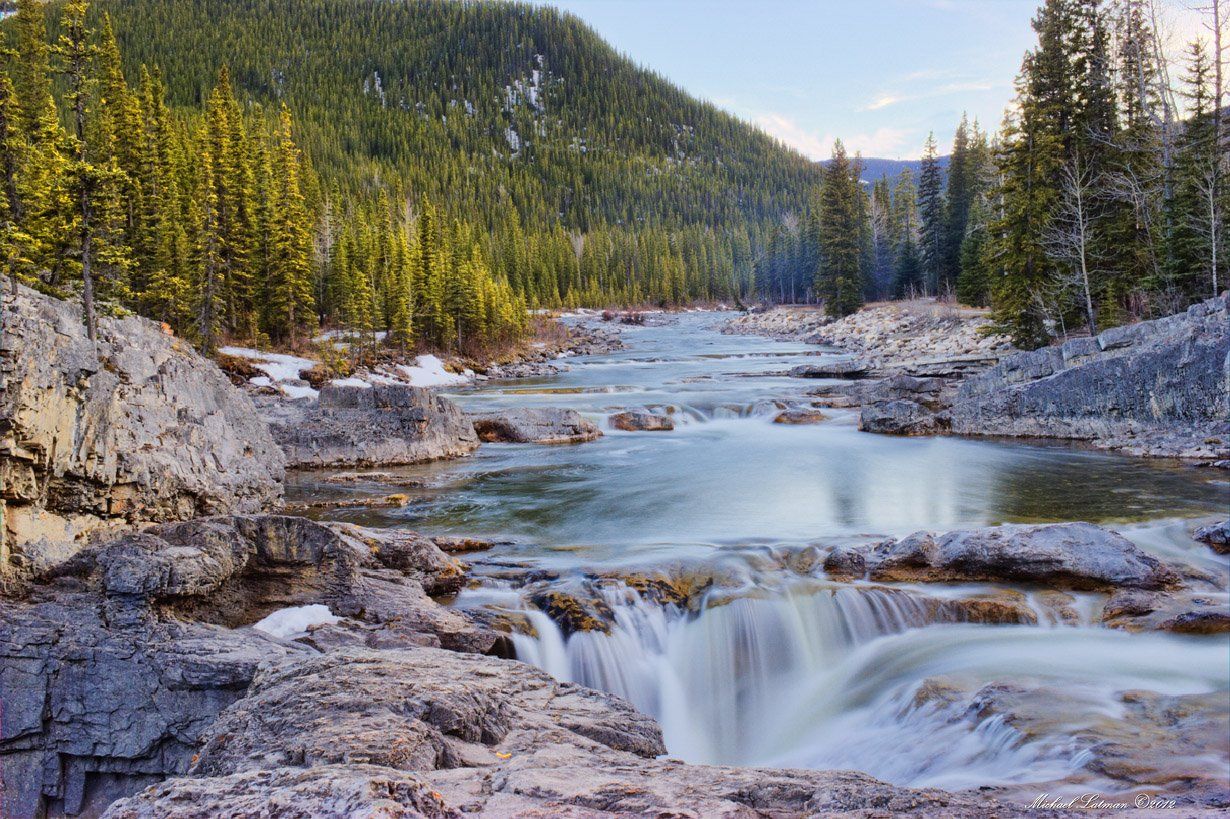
(599, 180)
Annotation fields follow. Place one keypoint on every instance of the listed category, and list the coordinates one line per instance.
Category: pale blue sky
(879, 74)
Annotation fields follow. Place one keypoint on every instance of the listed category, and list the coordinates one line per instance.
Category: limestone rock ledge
(384, 424)
(1158, 388)
(113, 667)
(489, 737)
(134, 428)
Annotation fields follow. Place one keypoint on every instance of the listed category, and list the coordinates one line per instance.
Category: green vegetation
(209, 218)
(424, 172)
(1102, 200)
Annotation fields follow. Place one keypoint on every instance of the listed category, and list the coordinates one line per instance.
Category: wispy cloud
(786, 129)
(882, 101)
(882, 142)
(948, 89)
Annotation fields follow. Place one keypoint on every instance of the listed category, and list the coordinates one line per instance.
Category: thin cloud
(948, 89)
(882, 142)
(882, 101)
(789, 132)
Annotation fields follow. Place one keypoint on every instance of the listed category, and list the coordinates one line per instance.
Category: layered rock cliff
(1155, 388)
(131, 428)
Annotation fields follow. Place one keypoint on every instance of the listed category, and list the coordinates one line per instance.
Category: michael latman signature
(1094, 801)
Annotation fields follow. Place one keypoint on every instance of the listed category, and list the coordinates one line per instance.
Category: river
(775, 664)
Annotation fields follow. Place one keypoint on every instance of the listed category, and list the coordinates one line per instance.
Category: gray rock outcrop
(113, 668)
(136, 427)
(495, 738)
(526, 425)
(1155, 388)
(1060, 556)
(370, 426)
(642, 421)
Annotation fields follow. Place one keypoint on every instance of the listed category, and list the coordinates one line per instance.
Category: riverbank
(781, 605)
(295, 376)
(1154, 389)
(919, 336)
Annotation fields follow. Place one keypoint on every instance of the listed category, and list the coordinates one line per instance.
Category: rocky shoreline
(1155, 389)
(168, 648)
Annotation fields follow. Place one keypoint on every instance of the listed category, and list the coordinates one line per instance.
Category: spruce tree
(931, 221)
(839, 278)
(289, 300)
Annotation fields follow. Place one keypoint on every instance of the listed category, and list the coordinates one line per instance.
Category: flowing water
(775, 664)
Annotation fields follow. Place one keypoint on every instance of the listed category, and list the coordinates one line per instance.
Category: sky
(879, 74)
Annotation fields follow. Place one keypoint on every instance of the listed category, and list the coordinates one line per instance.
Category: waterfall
(714, 680)
(830, 677)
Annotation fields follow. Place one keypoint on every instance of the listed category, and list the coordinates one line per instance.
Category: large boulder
(500, 738)
(901, 417)
(371, 426)
(132, 428)
(415, 709)
(1158, 388)
(1062, 555)
(114, 666)
(525, 425)
(642, 421)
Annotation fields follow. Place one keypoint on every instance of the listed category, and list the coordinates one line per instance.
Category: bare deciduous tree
(1069, 237)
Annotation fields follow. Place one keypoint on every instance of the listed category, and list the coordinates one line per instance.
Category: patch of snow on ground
(429, 372)
(278, 366)
(350, 382)
(294, 391)
(295, 621)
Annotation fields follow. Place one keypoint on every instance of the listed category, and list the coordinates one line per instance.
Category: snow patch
(296, 620)
(278, 366)
(429, 371)
(295, 391)
(350, 382)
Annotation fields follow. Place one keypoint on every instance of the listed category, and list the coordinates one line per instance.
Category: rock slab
(381, 425)
(136, 427)
(525, 425)
(1155, 388)
(1060, 556)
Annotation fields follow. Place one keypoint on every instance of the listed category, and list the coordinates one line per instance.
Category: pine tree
(1031, 157)
(962, 188)
(839, 279)
(96, 182)
(931, 221)
(289, 301)
(1197, 212)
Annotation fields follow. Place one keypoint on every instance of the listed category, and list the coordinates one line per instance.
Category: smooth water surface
(785, 667)
(728, 476)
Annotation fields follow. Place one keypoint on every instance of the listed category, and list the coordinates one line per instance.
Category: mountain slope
(480, 105)
(875, 169)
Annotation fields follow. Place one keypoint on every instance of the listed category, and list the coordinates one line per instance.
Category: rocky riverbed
(184, 652)
(1158, 388)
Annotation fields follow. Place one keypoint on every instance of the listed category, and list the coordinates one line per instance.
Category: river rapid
(773, 663)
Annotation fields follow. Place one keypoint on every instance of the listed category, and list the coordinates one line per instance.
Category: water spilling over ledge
(683, 570)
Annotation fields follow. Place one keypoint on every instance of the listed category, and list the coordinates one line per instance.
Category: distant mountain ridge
(875, 168)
